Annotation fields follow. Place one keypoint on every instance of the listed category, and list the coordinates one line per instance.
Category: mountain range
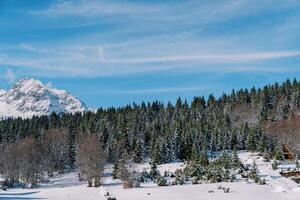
(29, 97)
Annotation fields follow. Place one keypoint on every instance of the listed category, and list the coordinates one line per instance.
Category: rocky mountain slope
(29, 97)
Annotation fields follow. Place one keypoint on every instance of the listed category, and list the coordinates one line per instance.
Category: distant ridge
(29, 97)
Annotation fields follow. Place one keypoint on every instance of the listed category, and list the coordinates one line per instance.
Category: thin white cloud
(158, 90)
(261, 69)
(211, 58)
(88, 8)
(194, 11)
(32, 48)
(96, 64)
(169, 37)
(10, 76)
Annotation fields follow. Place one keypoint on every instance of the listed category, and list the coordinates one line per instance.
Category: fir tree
(279, 153)
(154, 173)
(203, 159)
(235, 158)
(138, 154)
(195, 154)
(251, 141)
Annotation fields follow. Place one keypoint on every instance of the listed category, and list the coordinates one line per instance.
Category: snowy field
(273, 178)
(67, 187)
(239, 191)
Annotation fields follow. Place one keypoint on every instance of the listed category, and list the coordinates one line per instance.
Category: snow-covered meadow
(68, 187)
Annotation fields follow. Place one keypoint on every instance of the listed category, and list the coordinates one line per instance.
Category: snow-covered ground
(238, 191)
(272, 177)
(170, 167)
(67, 187)
(63, 187)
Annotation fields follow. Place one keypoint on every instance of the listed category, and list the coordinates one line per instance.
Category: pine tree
(195, 154)
(156, 156)
(262, 146)
(138, 154)
(235, 158)
(115, 171)
(251, 141)
(154, 173)
(279, 153)
(122, 170)
(203, 159)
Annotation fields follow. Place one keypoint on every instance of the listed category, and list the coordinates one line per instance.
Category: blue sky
(110, 53)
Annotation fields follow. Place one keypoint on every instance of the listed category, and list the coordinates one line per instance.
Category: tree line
(162, 132)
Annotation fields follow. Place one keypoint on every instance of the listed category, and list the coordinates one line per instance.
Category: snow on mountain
(29, 97)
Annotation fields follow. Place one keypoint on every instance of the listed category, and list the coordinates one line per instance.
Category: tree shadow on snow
(18, 196)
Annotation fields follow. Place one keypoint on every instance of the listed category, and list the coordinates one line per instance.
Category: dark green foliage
(145, 176)
(252, 140)
(195, 153)
(115, 171)
(154, 173)
(166, 133)
(203, 159)
(275, 165)
(235, 159)
(161, 181)
(267, 156)
(279, 153)
(222, 168)
(180, 177)
(194, 169)
(138, 154)
(122, 168)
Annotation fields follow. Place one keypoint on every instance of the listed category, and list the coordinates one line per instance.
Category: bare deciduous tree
(21, 163)
(90, 159)
(54, 150)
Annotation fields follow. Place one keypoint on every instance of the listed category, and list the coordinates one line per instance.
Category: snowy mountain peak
(28, 84)
(30, 97)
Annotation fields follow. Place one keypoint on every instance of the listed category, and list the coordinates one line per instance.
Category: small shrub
(262, 181)
(174, 183)
(256, 179)
(111, 198)
(274, 166)
(195, 180)
(226, 190)
(127, 185)
(180, 177)
(245, 175)
(161, 181)
(232, 178)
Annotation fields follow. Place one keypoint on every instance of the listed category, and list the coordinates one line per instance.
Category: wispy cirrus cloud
(210, 58)
(10, 76)
(97, 61)
(31, 48)
(170, 11)
(157, 90)
(7, 75)
(89, 8)
(129, 49)
(154, 36)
